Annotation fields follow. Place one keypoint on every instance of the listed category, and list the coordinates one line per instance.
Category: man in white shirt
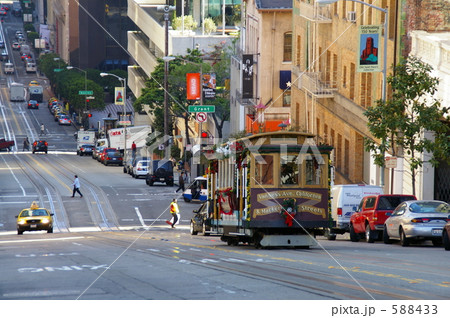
(76, 186)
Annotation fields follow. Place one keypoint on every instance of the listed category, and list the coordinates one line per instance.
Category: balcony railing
(315, 13)
(312, 82)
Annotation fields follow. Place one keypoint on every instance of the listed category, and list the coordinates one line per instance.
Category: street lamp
(85, 84)
(386, 18)
(124, 81)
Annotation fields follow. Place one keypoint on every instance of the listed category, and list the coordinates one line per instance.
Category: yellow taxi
(34, 219)
(33, 83)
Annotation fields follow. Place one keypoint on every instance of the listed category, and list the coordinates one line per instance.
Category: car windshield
(116, 153)
(390, 203)
(37, 212)
(430, 207)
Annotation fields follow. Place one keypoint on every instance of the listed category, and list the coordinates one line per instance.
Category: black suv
(40, 146)
(162, 171)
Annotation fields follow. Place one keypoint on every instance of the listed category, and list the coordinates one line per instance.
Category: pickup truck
(368, 221)
(5, 144)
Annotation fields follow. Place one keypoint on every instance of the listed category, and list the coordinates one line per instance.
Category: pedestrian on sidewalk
(76, 186)
(26, 144)
(181, 182)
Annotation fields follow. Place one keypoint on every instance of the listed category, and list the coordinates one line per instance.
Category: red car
(369, 220)
(101, 156)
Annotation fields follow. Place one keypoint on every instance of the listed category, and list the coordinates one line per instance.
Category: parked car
(64, 120)
(446, 236)
(85, 150)
(369, 219)
(101, 155)
(417, 221)
(40, 146)
(140, 169)
(198, 221)
(34, 219)
(112, 156)
(161, 171)
(345, 199)
(96, 152)
(33, 104)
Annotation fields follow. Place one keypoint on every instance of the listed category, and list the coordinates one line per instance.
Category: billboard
(119, 96)
(247, 76)
(369, 43)
(209, 85)
(193, 86)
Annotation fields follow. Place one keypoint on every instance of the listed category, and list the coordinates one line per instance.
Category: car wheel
(386, 238)
(446, 241)
(124, 170)
(404, 241)
(50, 230)
(191, 229)
(46, 152)
(437, 242)
(170, 184)
(19, 232)
(370, 235)
(204, 229)
(81, 154)
(135, 176)
(353, 236)
(186, 199)
(330, 236)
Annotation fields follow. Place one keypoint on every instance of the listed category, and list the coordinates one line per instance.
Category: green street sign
(85, 92)
(58, 69)
(202, 109)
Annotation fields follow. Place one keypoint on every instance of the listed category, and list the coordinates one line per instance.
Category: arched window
(287, 47)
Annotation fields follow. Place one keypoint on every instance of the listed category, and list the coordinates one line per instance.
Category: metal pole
(166, 86)
(383, 93)
(124, 114)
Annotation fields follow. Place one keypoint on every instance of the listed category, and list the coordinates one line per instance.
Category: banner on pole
(369, 43)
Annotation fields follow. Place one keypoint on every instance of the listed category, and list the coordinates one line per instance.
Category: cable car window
(289, 171)
(264, 169)
(313, 171)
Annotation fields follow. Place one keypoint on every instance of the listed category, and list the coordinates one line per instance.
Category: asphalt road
(114, 244)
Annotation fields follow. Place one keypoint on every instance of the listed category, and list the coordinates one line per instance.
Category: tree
(401, 122)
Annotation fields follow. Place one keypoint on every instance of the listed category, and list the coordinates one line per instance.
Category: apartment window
(328, 68)
(325, 134)
(347, 158)
(352, 80)
(369, 13)
(344, 9)
(287, 98)
(298, 53)
(287, 56)
(317, 127)
(335, 71)
(338, 151)
(366, 90)
(344, 77)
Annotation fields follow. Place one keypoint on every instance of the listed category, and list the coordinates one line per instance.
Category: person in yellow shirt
(174, 210)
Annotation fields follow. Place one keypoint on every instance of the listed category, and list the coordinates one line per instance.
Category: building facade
(330, 91)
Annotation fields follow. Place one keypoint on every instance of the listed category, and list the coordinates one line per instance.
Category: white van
(345, 199)
(30, 67)
(8, 68)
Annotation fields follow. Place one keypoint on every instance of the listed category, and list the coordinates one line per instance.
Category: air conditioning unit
(351, 16)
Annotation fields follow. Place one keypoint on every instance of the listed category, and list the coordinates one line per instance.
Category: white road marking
(44, 240)
(140, 216)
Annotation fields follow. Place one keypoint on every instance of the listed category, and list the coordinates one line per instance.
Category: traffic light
(204, 138)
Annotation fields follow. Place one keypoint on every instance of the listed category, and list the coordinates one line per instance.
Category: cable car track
(99, 209)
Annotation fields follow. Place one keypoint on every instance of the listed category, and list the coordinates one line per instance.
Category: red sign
(193, 86)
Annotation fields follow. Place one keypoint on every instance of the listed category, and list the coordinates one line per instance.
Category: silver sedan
(417, 220)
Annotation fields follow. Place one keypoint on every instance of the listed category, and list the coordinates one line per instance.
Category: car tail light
(420, 220)
(46, 143)
(37, 104)
(339, 211)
